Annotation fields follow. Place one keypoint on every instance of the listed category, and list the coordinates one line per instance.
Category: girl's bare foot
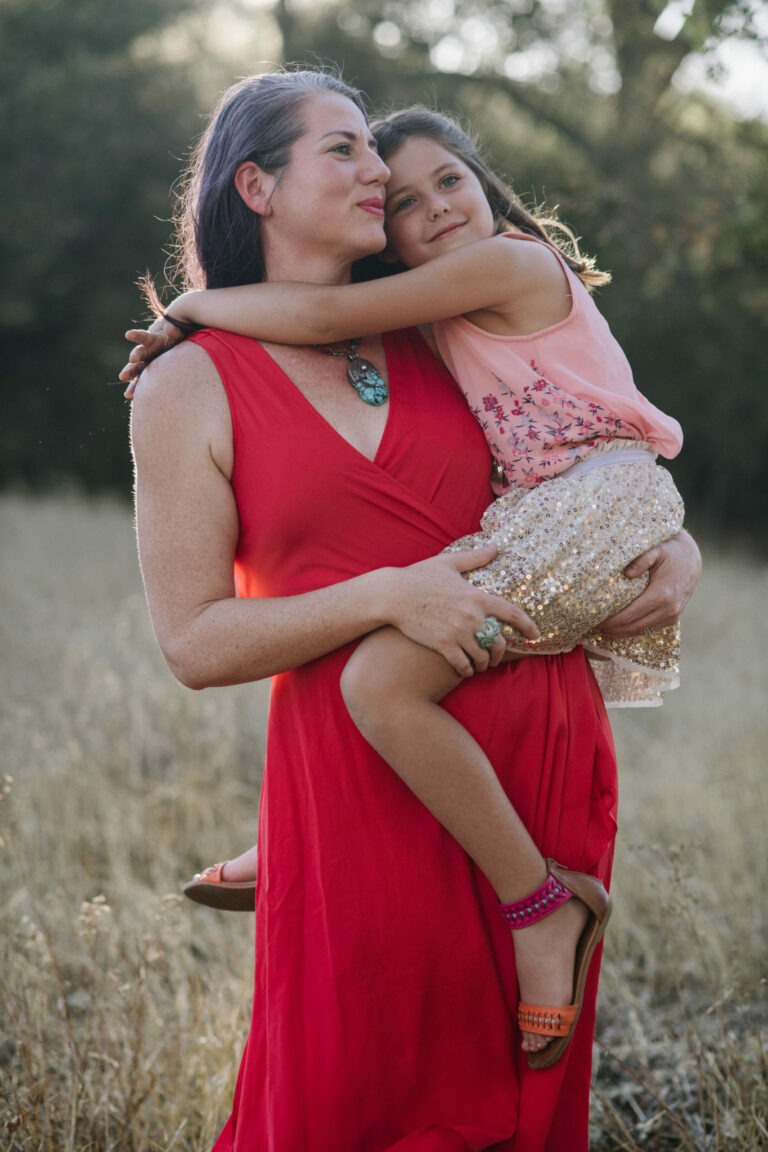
(241, 869)
(229, 886)
(545, 954)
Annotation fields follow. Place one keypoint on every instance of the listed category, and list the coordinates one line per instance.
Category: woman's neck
(309, 267)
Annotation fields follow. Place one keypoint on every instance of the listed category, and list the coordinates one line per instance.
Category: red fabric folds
(383, 1016)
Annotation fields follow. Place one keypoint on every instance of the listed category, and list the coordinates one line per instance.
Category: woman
(385, 979)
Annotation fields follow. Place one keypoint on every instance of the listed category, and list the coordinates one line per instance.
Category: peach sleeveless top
(548, 399)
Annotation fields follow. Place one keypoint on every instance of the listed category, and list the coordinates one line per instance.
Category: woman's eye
(344, 149)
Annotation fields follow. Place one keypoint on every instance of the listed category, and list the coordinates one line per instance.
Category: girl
(573, 445)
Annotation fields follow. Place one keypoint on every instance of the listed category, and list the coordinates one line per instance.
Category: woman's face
(329, 201)
(435, 203)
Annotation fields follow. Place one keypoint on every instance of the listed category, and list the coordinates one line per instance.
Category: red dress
(385, 980)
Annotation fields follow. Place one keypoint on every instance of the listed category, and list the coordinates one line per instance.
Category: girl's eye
(404, 203)
(449, 181)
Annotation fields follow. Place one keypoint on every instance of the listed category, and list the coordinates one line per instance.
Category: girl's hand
(675, 567)
(150, 342)
(431, 604)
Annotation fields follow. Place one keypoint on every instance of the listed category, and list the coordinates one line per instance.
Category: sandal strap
(545, 1020)
(212, 874)
(550, 896)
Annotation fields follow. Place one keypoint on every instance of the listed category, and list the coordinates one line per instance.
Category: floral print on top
(541, 432)
(546, 399)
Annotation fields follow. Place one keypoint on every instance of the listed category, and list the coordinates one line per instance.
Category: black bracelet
(186, 327)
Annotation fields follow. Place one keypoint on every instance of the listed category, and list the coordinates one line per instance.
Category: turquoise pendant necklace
(361, 374)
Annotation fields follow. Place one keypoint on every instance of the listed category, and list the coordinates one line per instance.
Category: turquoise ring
(489, 633)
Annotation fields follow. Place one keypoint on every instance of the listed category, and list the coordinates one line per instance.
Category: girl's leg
(392, 688)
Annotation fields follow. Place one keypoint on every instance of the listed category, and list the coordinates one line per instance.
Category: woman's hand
(150, 342)
(675, 567)
(431, 604)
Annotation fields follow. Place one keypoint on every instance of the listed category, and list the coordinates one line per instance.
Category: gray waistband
(603, 459)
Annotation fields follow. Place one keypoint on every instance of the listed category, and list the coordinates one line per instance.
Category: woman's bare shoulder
(187, 368)
(180, 395)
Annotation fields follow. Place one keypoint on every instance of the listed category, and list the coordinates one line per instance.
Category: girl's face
(329, 200)
(434, 202)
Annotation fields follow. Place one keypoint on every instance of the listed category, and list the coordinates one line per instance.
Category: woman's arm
(488, 274)
(188, 530)
(675, 568)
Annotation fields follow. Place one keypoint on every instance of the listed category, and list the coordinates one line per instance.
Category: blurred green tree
(578, 102)
(85, 110)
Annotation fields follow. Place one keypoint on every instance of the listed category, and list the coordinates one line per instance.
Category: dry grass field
(123, 1008)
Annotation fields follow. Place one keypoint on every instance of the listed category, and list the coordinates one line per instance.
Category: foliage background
(577, 101)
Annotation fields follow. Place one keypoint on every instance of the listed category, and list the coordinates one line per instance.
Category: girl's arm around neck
(488, 274)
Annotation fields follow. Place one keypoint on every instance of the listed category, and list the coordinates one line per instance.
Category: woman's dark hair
(218, 239)
(393, 131)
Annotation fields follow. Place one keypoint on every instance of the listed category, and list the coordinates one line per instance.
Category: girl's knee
(388, 678)
(362, 686)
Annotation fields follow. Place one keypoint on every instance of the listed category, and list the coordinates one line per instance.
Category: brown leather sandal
(558, 1023)
(227, 895)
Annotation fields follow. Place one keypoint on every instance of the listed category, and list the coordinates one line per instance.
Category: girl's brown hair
(391, 133)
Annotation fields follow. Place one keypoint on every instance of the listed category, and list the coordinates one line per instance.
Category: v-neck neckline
(374, 460)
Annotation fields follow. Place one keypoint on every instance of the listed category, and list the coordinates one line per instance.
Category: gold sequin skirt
(563, 546)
